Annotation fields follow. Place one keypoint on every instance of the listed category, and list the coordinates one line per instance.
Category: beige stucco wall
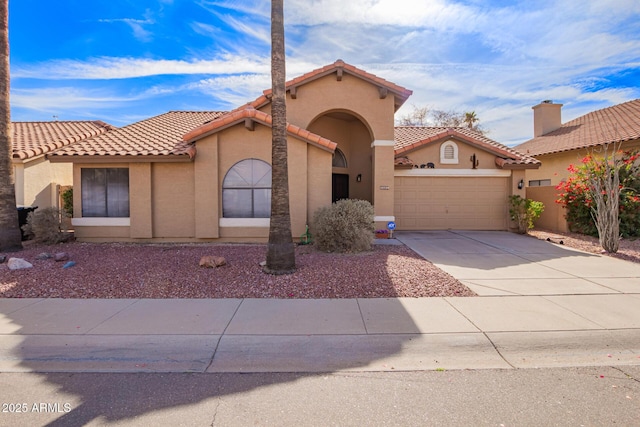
(552, 217)
(37, 180)
(319, 180)
(430, 153)
(352, 94)
(173, 200)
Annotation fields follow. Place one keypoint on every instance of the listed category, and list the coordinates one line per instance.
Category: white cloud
(55, 100)
(123, 68)
(136, 25)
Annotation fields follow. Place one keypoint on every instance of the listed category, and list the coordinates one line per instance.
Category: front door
(340, 187)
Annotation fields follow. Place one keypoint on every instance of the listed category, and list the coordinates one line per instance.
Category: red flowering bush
(576, 195)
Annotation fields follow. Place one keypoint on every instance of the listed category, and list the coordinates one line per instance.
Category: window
(449, 153)
(539, 182)
(246, 190)
(105, 192)
(339, 159)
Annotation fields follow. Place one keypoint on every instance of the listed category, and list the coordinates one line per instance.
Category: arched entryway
(352, 168)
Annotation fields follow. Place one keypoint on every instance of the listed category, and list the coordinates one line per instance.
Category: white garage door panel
(436, 203)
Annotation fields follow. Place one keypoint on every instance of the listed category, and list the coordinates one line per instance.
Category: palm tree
(10, 238)
(471, 119)
(280, 250)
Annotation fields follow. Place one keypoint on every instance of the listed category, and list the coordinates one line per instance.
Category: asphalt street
(589, 396)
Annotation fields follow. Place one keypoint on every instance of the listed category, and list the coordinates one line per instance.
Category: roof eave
(127, 158)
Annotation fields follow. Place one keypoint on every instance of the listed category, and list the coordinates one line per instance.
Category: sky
(122, 61)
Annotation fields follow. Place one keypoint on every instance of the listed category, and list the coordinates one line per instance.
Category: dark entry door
(340, 188)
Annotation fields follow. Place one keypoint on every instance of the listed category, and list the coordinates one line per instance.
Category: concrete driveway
(494, 263)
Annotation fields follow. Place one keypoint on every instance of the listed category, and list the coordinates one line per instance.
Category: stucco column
(140, 198)
(383, 185)
(207, 189)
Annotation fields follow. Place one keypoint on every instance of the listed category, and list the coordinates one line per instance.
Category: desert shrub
(345, 226)
(44, 225)
(524, 212)
(576, 195)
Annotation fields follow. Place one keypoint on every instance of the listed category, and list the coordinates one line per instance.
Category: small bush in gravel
(44, 226)
(345, 226)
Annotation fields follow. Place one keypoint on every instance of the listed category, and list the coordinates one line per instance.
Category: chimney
(547, 117)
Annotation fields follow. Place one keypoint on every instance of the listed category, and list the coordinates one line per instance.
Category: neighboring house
(197, 176)
(36, 179)
(558, 145)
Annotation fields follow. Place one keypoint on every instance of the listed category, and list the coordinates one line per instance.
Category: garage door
(440, 203)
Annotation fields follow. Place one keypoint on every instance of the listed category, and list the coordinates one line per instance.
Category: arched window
(449, 153)
(246, 190)
(339, 159)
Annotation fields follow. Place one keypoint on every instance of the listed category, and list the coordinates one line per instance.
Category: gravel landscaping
(629, 248)
(115, 270)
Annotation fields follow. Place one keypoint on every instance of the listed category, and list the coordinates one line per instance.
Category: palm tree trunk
(280, 250)
(10, 238)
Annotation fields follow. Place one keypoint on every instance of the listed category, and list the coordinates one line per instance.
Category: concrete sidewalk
(540, 305)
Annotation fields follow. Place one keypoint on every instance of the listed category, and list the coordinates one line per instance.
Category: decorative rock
(210, 261)
(44, 255)
(263, 263)
(18, 264)
(61, 256)
(69, 264)
(3, 258)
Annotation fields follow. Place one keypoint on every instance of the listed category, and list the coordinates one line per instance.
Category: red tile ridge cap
(340, 64)
(266, 119)
(449, 132)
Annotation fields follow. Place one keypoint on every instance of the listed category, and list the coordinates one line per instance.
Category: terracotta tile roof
(248, 112)
(338, 67)
(30, 139)
(409, 138)
(618, 123)
(157, 136)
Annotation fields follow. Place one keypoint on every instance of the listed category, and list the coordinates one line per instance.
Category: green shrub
(524, 212)
(44, 225)
(67, 202)
(345, 226)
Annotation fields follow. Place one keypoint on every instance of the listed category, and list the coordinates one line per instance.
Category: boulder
(61, 256)
(210, 261)
(18, 264)
(3, 258)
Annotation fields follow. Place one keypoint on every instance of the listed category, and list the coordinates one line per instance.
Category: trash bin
(23, 212)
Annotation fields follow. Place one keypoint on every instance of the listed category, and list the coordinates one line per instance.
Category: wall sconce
(520, 184)
(359, 178)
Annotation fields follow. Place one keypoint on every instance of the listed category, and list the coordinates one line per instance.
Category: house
(557, 146)
(200, 176)
(36, 179)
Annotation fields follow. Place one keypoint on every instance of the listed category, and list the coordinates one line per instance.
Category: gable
(422, 145)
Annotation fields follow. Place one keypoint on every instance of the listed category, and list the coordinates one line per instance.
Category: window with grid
(246, 190)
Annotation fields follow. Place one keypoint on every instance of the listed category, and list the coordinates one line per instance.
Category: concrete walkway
(541, 305)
